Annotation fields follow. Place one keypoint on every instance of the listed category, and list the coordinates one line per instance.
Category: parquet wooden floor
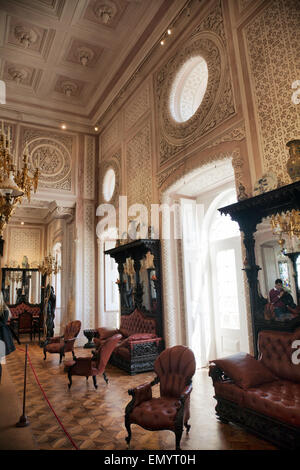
(95, 418)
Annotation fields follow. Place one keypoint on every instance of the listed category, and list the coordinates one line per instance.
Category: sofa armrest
(131, 342)
(217, 374)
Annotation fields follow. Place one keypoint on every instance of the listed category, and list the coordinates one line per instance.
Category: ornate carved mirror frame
(248, 214)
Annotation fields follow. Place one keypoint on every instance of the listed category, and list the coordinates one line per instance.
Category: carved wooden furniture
(65, 343)
(262, 395)
(249, 213)
(93, 366)
(26, 318)
(141, 305)
(140, 344)
(175, 368)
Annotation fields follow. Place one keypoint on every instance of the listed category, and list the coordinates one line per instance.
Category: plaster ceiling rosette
(68, 86)
(54, 161)
(28, 36)
(21, 74)
(105, 12)
(174, 135)
(83, 53)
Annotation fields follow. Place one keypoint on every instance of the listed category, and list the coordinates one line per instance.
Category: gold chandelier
(14, 183)
(287, 223)
(49, 265)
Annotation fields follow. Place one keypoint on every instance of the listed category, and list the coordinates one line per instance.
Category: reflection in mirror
(128, 284)
(277, 255)
(19, 284)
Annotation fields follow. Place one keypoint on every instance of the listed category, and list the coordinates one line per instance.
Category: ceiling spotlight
(22, 223)
(96, 128)
(63, 126)
(162, 42)
(169, 32)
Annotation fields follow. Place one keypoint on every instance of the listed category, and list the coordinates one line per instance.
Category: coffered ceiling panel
(73, 56)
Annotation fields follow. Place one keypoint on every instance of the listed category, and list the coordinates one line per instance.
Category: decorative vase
(293, 163)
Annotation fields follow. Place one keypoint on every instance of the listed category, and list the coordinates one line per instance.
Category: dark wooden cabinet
(249, 213)
(139, 267)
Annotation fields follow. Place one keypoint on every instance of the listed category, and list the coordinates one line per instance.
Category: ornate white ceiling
(66, 59)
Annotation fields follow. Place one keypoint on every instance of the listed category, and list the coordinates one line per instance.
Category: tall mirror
(270, 223)
(139, 278)
(21, 285)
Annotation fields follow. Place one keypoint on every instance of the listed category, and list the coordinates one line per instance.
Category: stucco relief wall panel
(273, 44)
(89, 167)
(139, 105)
(53, 153)
(89, 264)
(24, 241)
(139, 168)
(207, 40)
(110, 137)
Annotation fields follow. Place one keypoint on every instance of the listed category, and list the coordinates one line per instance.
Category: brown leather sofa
(262, 395)
(139, 345)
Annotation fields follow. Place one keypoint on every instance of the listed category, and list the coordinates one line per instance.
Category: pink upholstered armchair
(175, 368)
(93, 366)
(62, 344)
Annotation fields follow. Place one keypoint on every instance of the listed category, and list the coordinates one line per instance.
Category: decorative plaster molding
(177, 171)
(139, 168)
(276, 29)
(236, 134)
(89, 167)
(208, 41)
(52, 154)
(25, 36)
(138, 106)
(89, 265)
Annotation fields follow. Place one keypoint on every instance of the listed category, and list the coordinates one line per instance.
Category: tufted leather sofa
(262, 395)
(139, 345)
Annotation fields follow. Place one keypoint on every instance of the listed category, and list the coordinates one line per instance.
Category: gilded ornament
(293, 163)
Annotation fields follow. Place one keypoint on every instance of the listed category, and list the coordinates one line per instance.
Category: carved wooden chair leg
(178, 435)
(187, 427)
(70, 378)
(87, 377)
(128, 438)
(105, 377)
(45, 354)
(73, 354)
(61, 354)
(95, 381)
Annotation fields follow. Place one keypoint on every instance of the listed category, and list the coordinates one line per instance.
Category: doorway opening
(211, 256)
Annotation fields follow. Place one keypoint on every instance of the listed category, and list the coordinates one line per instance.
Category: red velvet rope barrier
(47, 400)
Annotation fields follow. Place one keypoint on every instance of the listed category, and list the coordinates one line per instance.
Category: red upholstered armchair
(93, 366)
(175, 368)
(62, 344)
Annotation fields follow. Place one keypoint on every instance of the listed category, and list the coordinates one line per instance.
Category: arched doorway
(202, 271)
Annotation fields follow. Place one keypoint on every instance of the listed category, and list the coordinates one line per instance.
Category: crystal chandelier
(49, 265)
(287, 223)
(14, 183)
